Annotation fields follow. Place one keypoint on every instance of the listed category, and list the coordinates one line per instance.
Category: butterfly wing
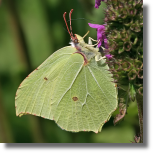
(78, 97)
(34, 95)
(89, 102)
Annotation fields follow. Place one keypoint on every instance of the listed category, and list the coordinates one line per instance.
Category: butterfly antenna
(70, 21)
(66, 23)
(74, 38)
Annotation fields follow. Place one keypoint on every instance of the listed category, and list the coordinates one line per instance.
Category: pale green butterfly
(73, 87)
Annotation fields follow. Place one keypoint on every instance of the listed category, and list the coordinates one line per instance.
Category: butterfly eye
(75, 41)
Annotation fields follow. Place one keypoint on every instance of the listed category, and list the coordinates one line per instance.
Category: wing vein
(72, 81)
(107, 79)
(98, 84)
(87, 104)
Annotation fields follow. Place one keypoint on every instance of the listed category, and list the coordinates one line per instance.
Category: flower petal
(96, 6)
(94, 25)
(109, 56)
(106, 43)
(98, 3)
(100, 34)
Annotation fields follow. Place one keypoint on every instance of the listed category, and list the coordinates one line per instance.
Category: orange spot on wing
(45, 78)
(75, 98)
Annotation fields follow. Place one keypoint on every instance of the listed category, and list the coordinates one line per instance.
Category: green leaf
(132, 92)
(121, 50)
(78, 96)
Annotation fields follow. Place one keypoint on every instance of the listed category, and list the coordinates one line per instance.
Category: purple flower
(98, 3)
(109, 56)
(100, 34)
(106, 43)
(101, 37)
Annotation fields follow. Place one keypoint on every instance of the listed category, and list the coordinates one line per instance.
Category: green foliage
(124, 19)
(125, 35)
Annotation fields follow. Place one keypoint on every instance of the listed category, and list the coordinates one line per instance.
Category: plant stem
(140, 114)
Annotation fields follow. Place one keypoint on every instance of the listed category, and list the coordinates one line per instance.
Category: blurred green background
(30, 31)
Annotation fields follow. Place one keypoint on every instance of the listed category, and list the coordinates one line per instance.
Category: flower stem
(140, 114)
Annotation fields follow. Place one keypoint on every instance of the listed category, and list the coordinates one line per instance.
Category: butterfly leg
(90, 41)
(98, 57)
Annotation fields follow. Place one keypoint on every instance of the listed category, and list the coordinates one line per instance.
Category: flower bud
(140, 90)
(127, 46)
(132, 74)
(135, 27)
(126, 66)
